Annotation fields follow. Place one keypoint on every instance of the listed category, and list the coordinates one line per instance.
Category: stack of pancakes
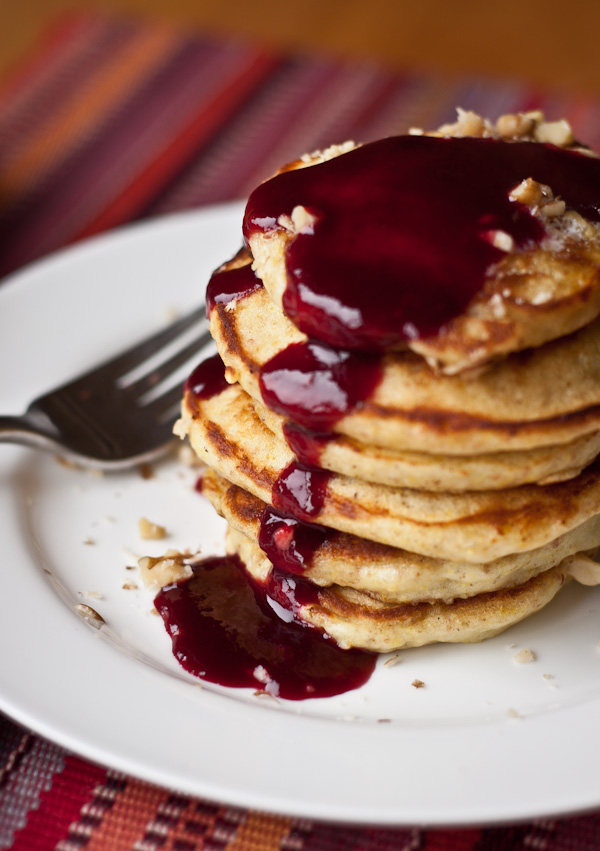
(459, 489)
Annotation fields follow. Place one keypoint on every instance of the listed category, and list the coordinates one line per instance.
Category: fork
(110, 418)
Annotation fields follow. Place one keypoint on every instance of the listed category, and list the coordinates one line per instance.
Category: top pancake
(532, 294)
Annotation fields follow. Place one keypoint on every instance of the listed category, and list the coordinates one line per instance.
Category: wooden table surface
(545, 43)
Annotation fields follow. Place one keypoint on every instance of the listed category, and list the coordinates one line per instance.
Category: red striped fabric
(113, 120)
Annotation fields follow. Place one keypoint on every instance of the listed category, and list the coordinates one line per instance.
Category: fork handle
(27, 432)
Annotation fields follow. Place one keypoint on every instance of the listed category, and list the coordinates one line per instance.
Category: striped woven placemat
(115, 120)
(110, 121)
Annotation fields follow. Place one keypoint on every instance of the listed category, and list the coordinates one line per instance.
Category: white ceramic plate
(486, 740)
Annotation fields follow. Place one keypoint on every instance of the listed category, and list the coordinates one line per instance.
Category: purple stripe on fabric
(95, 46)
(21, 793)
(239, 148)
(133, 136)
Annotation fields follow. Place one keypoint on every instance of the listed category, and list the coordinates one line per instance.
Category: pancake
(225, 432)
(354, 619)
(532, 294)
(393, 575)
(542, 397)
(429, 471)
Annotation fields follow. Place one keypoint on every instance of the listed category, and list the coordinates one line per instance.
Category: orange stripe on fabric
(260, 832)
(125, 823)
(108, 87)
(144, 185)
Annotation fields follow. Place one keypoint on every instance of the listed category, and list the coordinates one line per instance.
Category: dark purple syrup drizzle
(207, 379)
(286, 535)
(289, 543)
(315, 385)
(227, 629)
(404, 230)
(300, 491)
(306, 445)
(230, 284)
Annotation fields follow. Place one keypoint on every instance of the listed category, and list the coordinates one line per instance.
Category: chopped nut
(129, 586)
(165, 570)
(531, 192)
(303, 220)
(261, 674)
(557, 133)
(539, 197)
(284, 221)
(393, 660)
(525, 655)
(467, 124)
(418, 684)
(515, 126)
(501, 240)
(149, 530)
(553, 208)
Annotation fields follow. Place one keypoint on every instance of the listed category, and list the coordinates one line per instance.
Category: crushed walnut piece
(171, 567)
(150, 531)
(418, 684)
(524, 655)
(539, 197)
(516, 127)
